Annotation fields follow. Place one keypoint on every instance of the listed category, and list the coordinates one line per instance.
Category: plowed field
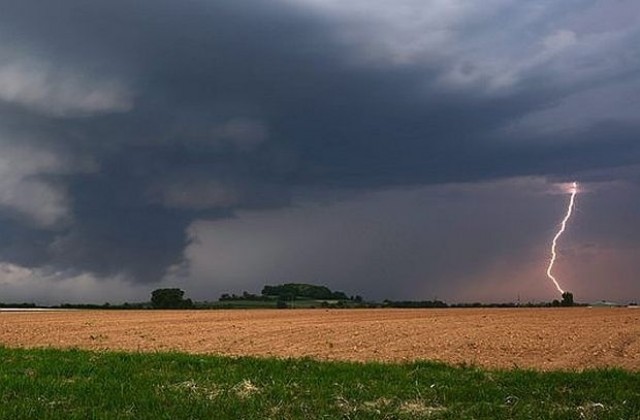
(571, 338)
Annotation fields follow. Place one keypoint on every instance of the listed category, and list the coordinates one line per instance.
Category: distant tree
(281, 304)
(169, 299)
(291, 291)
(269, 290)
(423, 304)
(567, 299)
(249, 296)
(339, 296)
(555, 302)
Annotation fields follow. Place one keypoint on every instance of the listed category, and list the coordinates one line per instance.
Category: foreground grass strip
(47, 384)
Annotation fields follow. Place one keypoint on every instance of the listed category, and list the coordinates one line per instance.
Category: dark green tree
(290, 291)
(170, 299)
(567, 299)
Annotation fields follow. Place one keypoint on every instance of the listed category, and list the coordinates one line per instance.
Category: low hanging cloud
(24, 189)
(202, 195)
(615, 103)
(20, 284)
(59, 92)
(244, 134)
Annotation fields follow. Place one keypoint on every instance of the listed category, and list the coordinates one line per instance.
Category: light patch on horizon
(46, 287)
(592, 273)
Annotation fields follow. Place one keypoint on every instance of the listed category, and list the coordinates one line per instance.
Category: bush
(170, 299)
(567, 299)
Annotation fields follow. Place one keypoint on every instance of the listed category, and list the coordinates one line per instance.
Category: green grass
(52, 384)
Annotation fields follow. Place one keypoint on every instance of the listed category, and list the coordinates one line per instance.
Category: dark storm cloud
(123, 122)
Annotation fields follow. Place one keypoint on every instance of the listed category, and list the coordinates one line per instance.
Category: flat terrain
(568, 338)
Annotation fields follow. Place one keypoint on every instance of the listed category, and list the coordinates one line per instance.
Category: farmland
(542, 339)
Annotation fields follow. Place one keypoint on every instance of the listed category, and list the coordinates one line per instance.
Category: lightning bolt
(563, 226)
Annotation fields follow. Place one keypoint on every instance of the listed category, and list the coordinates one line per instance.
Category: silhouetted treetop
(295, 290)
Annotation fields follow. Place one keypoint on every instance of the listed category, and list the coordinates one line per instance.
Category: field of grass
(74, 384)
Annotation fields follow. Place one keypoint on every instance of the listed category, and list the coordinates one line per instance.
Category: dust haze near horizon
(405, 150)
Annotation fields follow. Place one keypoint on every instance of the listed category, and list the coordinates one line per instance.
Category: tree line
(290, 295)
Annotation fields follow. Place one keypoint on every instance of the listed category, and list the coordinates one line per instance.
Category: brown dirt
(570, 338)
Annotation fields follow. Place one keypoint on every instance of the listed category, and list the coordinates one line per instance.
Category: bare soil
(565, 338)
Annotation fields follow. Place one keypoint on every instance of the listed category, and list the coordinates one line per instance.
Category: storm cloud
(130, 129)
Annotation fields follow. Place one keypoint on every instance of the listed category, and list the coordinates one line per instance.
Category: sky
(413, 149)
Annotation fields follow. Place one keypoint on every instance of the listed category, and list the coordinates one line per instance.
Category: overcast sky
(406, 149)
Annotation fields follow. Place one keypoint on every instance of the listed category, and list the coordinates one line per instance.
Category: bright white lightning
(563, 225)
